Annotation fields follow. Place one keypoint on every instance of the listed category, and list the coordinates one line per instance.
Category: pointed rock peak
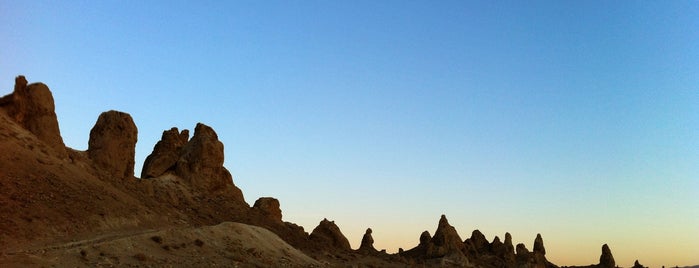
(606, 260)
(477, 235)
(445, 240)
(496, 240)
(539, 245)
(443, 221)
(367, 241)
(479, 241)
(636, 264)
(508, 243)
(425, 237)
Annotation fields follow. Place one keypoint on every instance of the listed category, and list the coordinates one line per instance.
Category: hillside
(60, 206)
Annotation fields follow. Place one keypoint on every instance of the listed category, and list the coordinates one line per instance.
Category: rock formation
(367, 244)
(606, 260)
(197, 161)
(445, 240)
(112, 145)
(328, 234)
(425, 238)
(165, 154)
(201, 161)
(269, 207)
(478, 242)
(32, 107)
(539, 245)
(637, 265)
(509, 248)
(522, 253)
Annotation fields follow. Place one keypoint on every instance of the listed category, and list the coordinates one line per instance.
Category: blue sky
(577, 120)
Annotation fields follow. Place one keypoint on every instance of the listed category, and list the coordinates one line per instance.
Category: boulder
(32, 107)
(112, 144)
(269, 207)
(606, 260)
(329, 235)
(165, 153)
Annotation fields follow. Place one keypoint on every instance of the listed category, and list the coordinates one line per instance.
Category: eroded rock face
(269, 207)
(165, 154)
(112, 144)
(445, 240)
(367, 242)
(32, 107)
(327, 233)
(201, 161)
(606, 260)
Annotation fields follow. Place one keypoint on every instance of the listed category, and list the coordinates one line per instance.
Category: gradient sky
(577, 120)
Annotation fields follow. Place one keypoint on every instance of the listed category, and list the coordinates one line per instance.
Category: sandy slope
(227, 244)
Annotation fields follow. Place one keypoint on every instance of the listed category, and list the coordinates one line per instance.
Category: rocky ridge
(51, 193)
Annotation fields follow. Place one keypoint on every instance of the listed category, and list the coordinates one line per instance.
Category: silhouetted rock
(480, 244)
(497, 247)
(606, 260)
(367, 244)
(269, 207)
(445, 240)
(165, 153)
(32, 107)
(509, 247)
(425, 238)
(328, 234)
(637, 265)
(112, 145)
(539, 245)
(522, 253)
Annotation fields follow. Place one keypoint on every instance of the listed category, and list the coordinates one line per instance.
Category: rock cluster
(198, 161)
(112, 144)
(165, 154)
(32, 107)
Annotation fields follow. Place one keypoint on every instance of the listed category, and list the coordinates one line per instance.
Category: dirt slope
(227, 244)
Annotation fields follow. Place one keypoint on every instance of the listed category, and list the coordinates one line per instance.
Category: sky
(578, 120)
